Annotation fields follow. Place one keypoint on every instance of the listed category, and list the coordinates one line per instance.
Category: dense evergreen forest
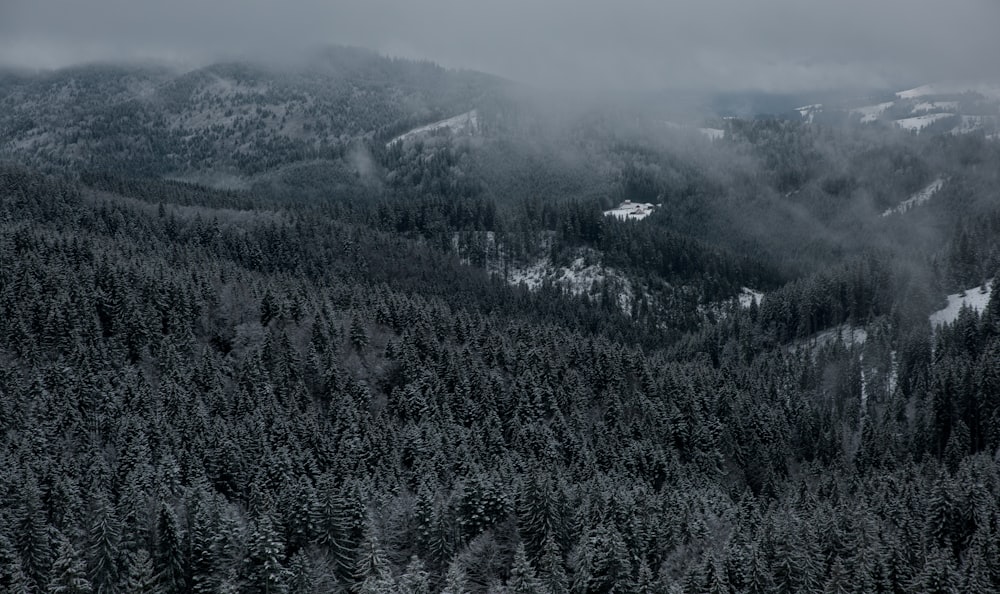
(326, 377)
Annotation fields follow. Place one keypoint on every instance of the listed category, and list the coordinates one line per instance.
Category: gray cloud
(774, 45)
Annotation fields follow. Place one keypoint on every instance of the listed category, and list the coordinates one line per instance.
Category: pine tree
(358, 334)
(265, 573)
(553, 569)
(415, 579)
(33, 539)
(169, 559)
(455, 581)
(938, 575)
(69, 573)
(12, 575)
(522, 575)
(372, 572)
(139, 575)
(103, 549)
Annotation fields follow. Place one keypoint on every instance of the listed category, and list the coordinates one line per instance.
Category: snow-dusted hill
(954, 108)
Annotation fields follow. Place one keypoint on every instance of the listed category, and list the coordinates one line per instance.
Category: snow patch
(808, 112)
(579, 278)
(849, 335)
(748, 297)
(713, 133)
(871, 113)
(932, 105)
(917, 199)
(976, 298)
(918, 123)
(466, 123)
(631, 211)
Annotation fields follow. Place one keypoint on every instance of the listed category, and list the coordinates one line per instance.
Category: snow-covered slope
(808, 112)
(917, 199)
(920, 122)
(579, 278)
(871, 113)
(849, 335)
(976, 298)
(465, 123)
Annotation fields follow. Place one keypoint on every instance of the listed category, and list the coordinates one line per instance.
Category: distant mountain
(939, 107)
(238, 117)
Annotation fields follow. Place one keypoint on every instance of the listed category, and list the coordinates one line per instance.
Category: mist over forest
(342, 320)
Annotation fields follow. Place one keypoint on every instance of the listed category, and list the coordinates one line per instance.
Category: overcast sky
(771, 45)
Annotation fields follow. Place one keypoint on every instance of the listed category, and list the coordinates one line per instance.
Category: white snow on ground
(917, 92)
(808, 112)
(975, 298)
(712, 133)
(467, 122)
(631, 211)
(748, 296)
(871, 113)
(849, 335)
(893, 372)
(917, 199)
(578, 278)
(932, 105)
(920, 122)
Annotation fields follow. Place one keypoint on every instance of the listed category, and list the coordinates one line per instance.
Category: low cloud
(770, 45)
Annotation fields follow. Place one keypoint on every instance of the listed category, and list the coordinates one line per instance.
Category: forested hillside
(315, 370)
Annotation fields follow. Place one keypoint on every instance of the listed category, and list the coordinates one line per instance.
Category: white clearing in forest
(917, 199)
(932, 105)
(748, 296)
(579, 278)
(808, 112)
(849, 335)
(920, 122)
(631, 211)
(467, 123)
(871, 113)
(712, 133)
(976, 298)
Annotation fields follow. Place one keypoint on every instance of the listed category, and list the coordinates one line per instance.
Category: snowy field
(933, 105)
(579, 278)
(917, 199)
(871, 113)
(849, 335)
(975, 298)
(467, 122)
(920, 122)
